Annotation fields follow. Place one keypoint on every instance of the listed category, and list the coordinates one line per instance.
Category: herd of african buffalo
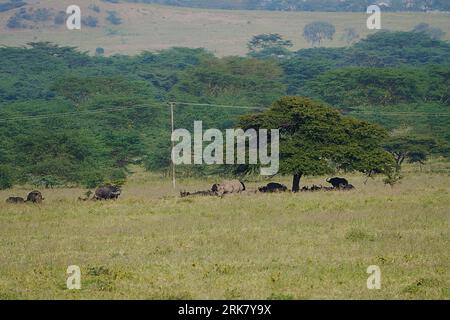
(107, 192)
(33, 197)
(112, 192)
(236, 186)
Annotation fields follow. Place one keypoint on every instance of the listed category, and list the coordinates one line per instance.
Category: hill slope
(153, 27)
(307, 5)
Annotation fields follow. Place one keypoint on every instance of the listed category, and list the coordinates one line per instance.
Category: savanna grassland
(151, 244)
(223, 32)
(69, 118)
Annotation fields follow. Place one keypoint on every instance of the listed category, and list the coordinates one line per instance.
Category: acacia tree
(350, 35)
(315, 139)
(265, 41)
(414, 149)
(269, 45)
(316, 32)
(433, 33)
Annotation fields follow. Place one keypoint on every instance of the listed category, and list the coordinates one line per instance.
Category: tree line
(119, 116)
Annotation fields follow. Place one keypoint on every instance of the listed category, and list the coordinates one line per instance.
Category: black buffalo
(273, 187)
(312, 188)
(107, 192)
(15, 200)
(348, 187)
(184, 194)
(338, 182)
(35, 197)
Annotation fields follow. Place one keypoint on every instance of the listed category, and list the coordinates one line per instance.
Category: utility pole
(172, 104)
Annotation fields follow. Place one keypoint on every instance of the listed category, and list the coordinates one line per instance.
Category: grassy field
(151, 244)
(151, 27)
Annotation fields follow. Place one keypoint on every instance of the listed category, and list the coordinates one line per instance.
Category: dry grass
(151, 27)
(151, 245)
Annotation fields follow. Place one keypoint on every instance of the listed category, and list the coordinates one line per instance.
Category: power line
(75, 113)
(216, 105)
(396, 113)
(399, 113)
(161, 105)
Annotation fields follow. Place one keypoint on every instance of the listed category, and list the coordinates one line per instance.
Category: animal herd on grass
(106, 192)
(236, 186)
(112, 192)
(33, 197)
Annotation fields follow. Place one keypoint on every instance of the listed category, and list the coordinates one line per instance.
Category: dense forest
(70, 118)
(307, 5)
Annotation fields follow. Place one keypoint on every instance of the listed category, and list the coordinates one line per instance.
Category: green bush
(90, 21)
(114, 18)
(60, 18)
(6, 177)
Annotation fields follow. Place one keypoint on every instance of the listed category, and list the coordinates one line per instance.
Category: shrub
(90, 21)
(41, 14)
(15, 23)
(114, 18)
(6, 177)
(95, 8)
(45, 181)
(60, 18)
(11, 5)
(99, 51)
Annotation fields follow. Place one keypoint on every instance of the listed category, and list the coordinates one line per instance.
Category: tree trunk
(296, 182)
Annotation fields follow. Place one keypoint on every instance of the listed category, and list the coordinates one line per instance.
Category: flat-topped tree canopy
(316, 139)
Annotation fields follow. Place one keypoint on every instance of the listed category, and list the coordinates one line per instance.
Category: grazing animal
(184, 194)
(312, 188)
(273, 187)
(338, 182)
(35, 197)
(107, 192)
(15, 200)
(227, 187)
(347, 187)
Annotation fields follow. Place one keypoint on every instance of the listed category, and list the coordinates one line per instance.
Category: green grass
(151, 244)
(224, 32)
